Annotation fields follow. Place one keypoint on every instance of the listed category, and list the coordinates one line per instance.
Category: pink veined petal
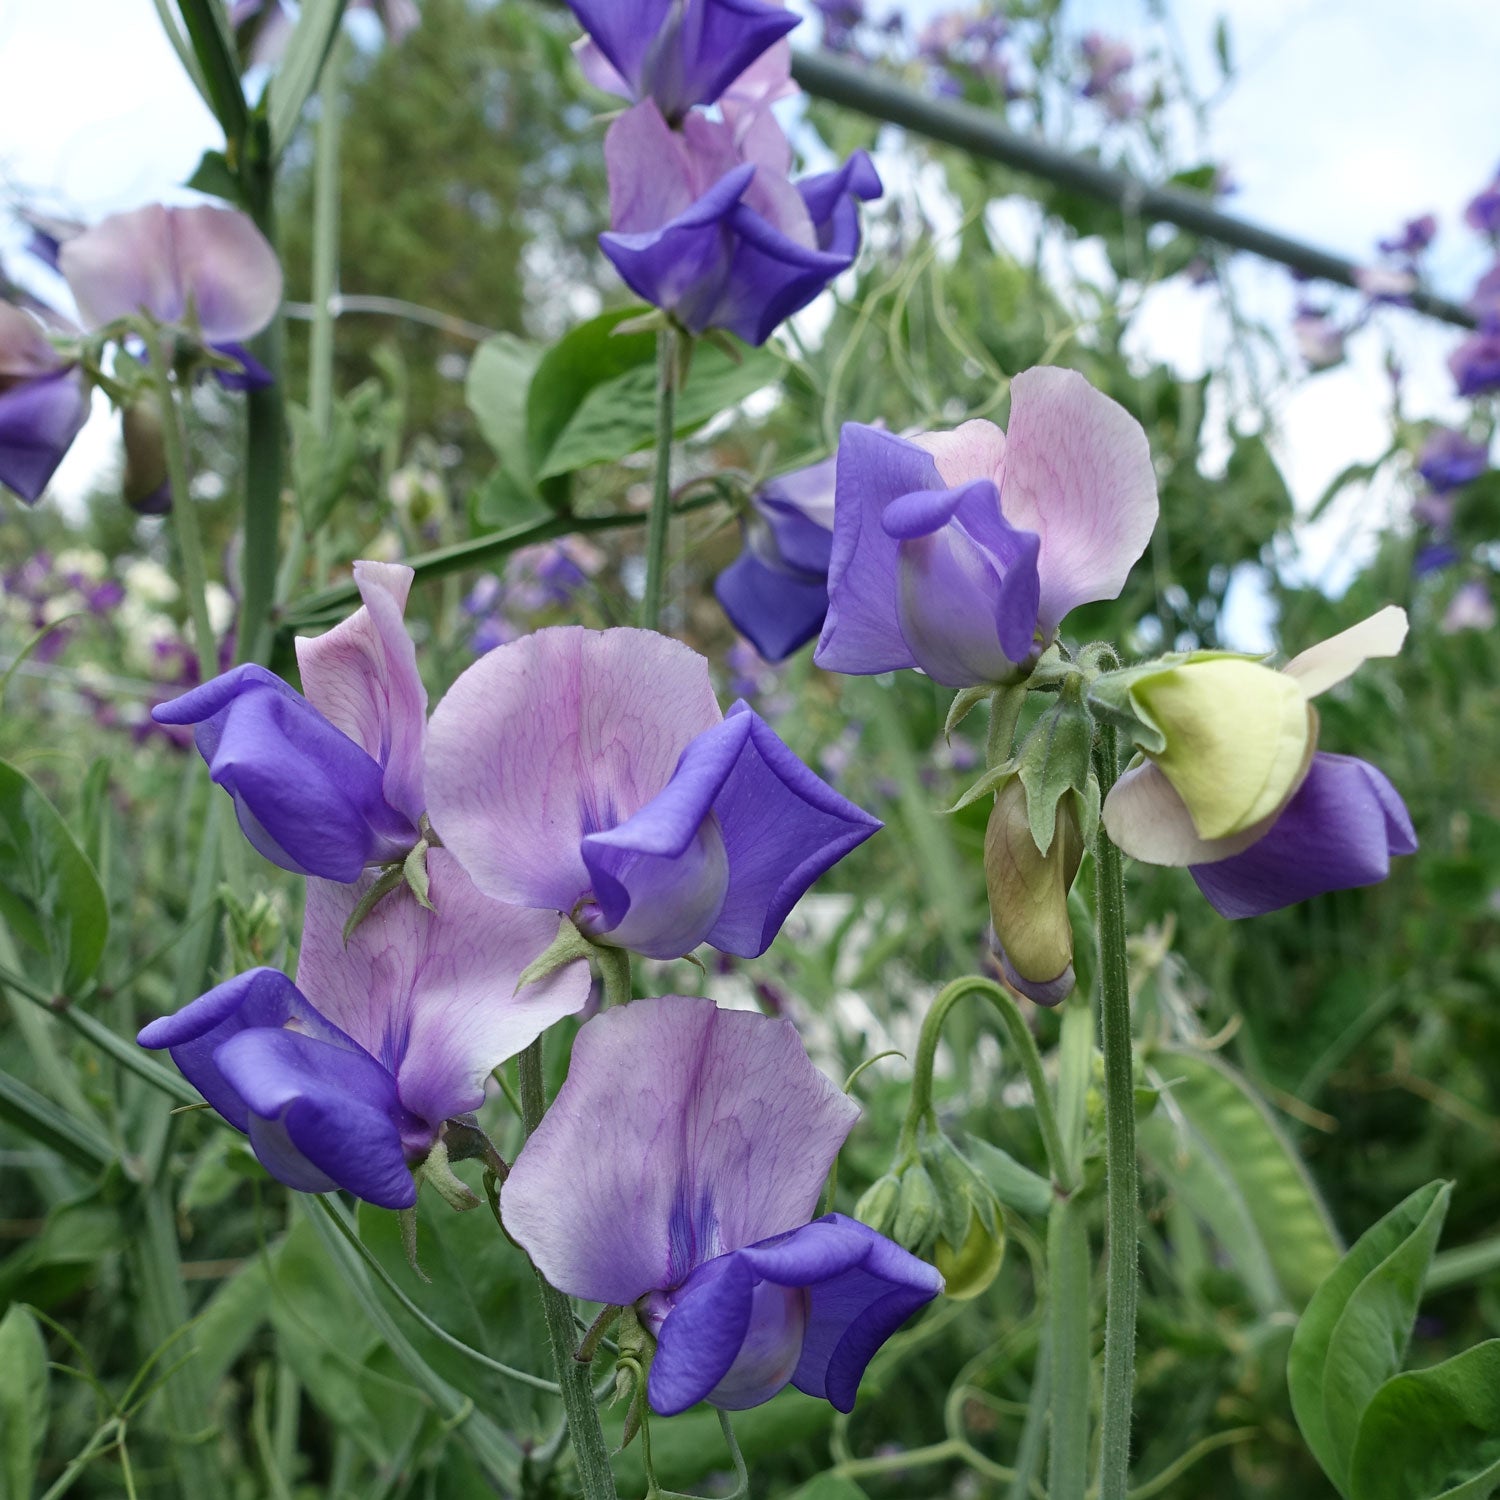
(1077, 471)
(652, 175)
(973, 450)
(560, 734)
(230, 277)
(125, 264)
(362, 676)
(683, 1131)
(432, 994)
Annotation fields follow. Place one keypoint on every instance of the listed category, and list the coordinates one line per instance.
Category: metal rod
(977, 132)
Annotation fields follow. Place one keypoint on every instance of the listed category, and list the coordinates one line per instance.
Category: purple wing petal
(862, 633)
(228, 273)
(830, 199)
(1339, 831)
(563, 733)
(38, 421)
(1077, 471)
(259, 998)
(322, 1116)
(783, 827)
(432, 994)
(24, 349)
(124, 265)
(363, 675)
(682, 1131)
(777, 612)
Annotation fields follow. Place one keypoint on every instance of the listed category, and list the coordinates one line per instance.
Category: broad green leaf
(23, 1400)
(49, 893)
(1433, 1434)
(215, 176)
(1014, 1185)
(232, 1317)
(1377, 1332)
(1236, 1135)
(828, 1487)
(496, 392)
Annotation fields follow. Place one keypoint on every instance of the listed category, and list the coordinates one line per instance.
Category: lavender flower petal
(775, 610)
(39, 419)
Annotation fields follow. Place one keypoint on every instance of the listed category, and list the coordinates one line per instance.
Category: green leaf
(593, 395)
(1264, 1209)
(828, 1487)
(23, 1401)
(214, 175)
(207, 24)
(301, 66)
(49, 893)
(1334, 1365)
(1014, 1185)
(1433, 1434)
(78, 1141)
(496, 393)
(322, 466)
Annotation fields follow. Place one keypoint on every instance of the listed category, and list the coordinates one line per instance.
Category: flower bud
(1029, 893)
(877, 1205)
(144, 485)
(916, 1210)
(969, 1270)
(970, 1242)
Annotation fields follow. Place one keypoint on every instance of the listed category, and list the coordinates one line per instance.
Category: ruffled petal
(782, 826)
(973, 450)
(432, 994)
(321, 1116)
(1328, 663)
(38, 421)
(776, 611)
(229, 276)
(563, 733)
(124, 265)
(1338, 832)
(363, 676)
(683, 1131)
(1077, 471)
(258, 998)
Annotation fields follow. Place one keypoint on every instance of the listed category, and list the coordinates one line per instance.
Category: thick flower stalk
(1231, 782)
(960, 552)
(327, 784)
(591, 773)
(776, 591)
(345, 1078)
(676, 1171)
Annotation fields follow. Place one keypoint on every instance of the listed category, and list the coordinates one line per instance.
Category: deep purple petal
(708, 1320)
(776, 611)
(1338, 832)
(737, 1126)
(38, 421)
(798, 508)
(259, 998)
(251, 375)
(307, 797)
(321, 1115)
(563, 733)
(862, 633)
(1476, 363)
(783, 827)
(830, 199)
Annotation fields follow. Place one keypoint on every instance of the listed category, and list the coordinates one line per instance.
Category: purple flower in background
(1386, 284)
(1483, 212)
(707, 226)
(1476, 362)
(328, 784)
(677, 53)
(960, 552)
(676, 1171)
(1472, 607)
(1320, 341)
(1484, 300)
(1416, 235)
(344, 1079)
(591, 773)
(1450, 460)
(776, 590)
(1434, 558)
(43, 404)
(1108, 61)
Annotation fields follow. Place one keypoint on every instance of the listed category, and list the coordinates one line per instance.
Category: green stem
(592, 1457)
(661, 498)
(184, 515)
(1121, 1273)
(920, 1103)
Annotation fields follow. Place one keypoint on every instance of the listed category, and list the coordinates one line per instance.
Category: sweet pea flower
(1320, 341)
(43, 404)
(960, 552)
(591, 773)
(327, 784)
(776, 591)
(1416, 235)
(1449, 460)
(1475, 363)
(677, 53)
(344, 1079)
(1472, 607)
(1239, 792)
(677, 1170)
(1483, 211)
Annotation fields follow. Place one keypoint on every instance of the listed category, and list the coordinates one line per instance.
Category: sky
(1345, 117)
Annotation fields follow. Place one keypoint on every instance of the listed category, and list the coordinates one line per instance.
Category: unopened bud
(877, 1206)
(1029, 894)
(916, 1210)
(144, 485)
(968, 1270)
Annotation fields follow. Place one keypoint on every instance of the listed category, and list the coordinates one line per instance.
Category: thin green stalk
(1034, 1430)
(589, 1451)
(184, 516)
(1121, 1272)
(661, 498)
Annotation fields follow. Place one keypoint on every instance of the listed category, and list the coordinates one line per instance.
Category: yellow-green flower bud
(877, 1206)
(916, 1210)
(968, 1270)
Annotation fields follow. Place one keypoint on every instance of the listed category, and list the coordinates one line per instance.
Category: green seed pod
(971, 1268)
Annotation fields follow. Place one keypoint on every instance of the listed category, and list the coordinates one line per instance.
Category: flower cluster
(705, 221)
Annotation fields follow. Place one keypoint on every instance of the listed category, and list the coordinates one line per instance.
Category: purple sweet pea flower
(677, 53)
(1449, 460)
(1416, 235)
(707, 226)
(776, 590)
(1472, 607)
(344, 1079)
(591, 773)
(43, 405)
(1483, 212)
(1320, 341)
(677, 1170)
(328, 784)
(960, 552)
(1476, 362)
(1339, 831)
